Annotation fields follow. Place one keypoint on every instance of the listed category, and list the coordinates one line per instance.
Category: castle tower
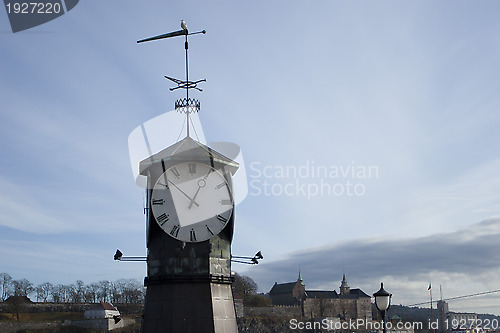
(300, 278)
(344, 287)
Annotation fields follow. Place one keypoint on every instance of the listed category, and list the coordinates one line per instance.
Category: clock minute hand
(192, 200)
(201, 183)
(184, 193)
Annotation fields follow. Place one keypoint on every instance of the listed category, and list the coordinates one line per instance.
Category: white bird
(183, 25)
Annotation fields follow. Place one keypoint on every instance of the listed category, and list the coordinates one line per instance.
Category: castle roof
(103, 306)
(355, 293)
(282, 288)
(320, 294)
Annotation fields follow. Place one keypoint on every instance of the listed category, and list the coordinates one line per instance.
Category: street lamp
(382, 302)
(248, 260)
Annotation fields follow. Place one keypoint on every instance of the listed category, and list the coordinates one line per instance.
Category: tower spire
(344, 286)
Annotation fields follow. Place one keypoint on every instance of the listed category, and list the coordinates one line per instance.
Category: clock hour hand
(192, 200)
(201, 183)
(184, 193)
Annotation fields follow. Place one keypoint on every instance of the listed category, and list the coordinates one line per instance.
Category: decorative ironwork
(185, 84)
(187, 105)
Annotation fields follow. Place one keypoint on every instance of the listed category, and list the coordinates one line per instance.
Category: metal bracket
(250, 260)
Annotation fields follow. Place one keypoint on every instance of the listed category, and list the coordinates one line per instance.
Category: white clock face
(192, 202)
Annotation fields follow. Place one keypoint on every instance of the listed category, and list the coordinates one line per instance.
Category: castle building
(348, 304)
(291, 293)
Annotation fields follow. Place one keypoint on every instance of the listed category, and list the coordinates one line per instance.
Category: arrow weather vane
(186, 105)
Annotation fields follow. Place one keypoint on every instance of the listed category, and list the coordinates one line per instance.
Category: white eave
(188, 150)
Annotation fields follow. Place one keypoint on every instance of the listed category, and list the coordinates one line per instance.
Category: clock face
(191, 202)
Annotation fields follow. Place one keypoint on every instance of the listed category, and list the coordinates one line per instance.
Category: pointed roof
(344, 282)
(189, 149)
(300, 278)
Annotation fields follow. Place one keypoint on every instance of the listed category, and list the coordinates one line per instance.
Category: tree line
(119, 291)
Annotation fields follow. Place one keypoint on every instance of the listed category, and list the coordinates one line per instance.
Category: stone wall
(277, 311)
(265, 325)
(100, 324)
(12, 327)
(68, 307)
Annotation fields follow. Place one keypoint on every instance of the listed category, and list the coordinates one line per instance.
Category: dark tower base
(194, 306)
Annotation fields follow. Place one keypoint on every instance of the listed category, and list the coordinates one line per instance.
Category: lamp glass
(382, 298)
(382, 302)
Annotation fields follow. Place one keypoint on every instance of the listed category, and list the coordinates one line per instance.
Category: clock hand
(187, 196)
(201, 183)
(192, 200)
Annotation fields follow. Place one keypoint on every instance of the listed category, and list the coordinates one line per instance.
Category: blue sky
(409, 88)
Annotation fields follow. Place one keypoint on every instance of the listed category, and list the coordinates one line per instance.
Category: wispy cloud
(406, 264)
(43, 261)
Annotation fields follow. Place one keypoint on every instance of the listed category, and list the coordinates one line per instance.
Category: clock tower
(189, 229)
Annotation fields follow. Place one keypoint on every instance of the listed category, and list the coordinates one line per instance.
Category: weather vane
(185, 105)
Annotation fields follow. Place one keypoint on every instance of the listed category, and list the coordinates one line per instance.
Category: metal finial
(186, 105)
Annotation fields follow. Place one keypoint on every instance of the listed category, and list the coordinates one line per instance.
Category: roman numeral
(166, 185)
(221, 218)
(192, 168)
(220, 186)
(162, 219)
(192, 235)
(225, 202)
(175, 172)
(175, 231)
(210, 231)
(158, 201)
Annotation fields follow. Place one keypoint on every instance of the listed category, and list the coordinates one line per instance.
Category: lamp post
(382, 302)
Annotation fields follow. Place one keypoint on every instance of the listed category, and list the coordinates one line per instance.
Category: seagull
(183, 25)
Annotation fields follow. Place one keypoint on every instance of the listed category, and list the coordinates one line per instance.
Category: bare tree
(244, 285)
(74, 296)
(44, 291)
(6, 286)
(104, 290)
(132, 292)
(22, 287)
(115, 292)
(58, 293)
(78, 290)
(92, 292)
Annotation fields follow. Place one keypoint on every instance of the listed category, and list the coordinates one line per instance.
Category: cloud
(63, 262)
(406, 264)
(471, 196)
(20, 209)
